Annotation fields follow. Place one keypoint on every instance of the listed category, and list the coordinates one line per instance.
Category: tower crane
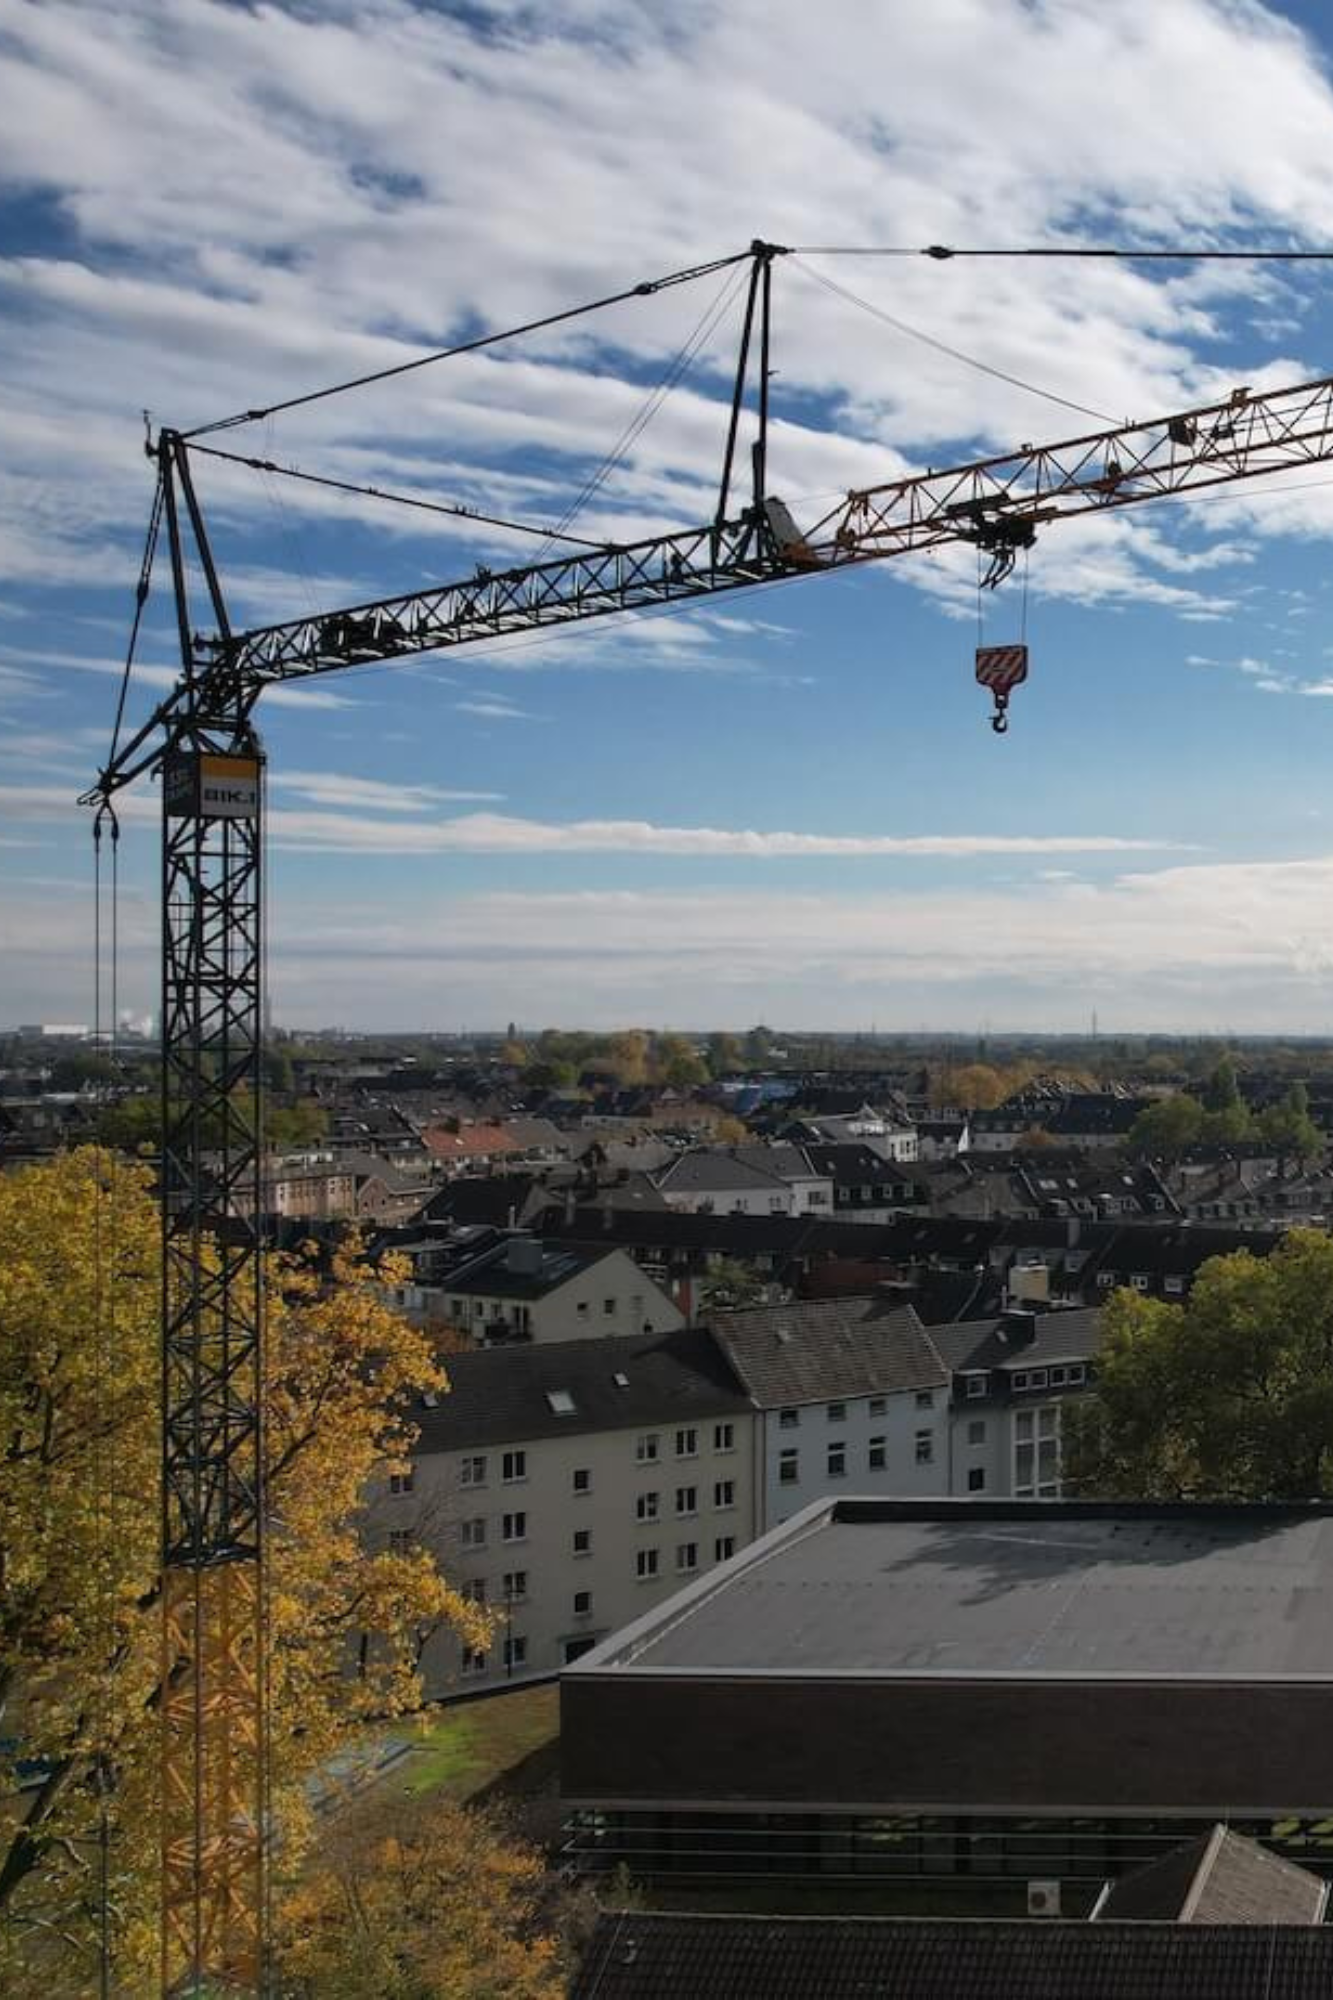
(201, 739)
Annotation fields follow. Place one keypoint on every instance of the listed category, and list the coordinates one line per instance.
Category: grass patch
(465, 1750)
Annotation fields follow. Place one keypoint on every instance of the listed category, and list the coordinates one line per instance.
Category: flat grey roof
(953, 1589)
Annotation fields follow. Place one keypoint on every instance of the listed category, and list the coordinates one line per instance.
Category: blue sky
(786, 805)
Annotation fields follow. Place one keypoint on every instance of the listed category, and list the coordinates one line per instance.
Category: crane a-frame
(202, 741)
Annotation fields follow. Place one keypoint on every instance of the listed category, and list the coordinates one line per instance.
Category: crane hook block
(1001, 669)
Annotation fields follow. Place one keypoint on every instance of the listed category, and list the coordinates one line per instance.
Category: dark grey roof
(809, 1352)
(496, 1275)
(1220, 1878)
(1056, 1336)
(707, 1172)
(854, 1165)
(504, 1393)
(668, 1955)
(1033, 1589)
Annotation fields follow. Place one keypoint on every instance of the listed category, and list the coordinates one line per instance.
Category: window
(402, 1482)
(976, 1479)
(515, 1651)
(877, 1456)
(582, 1309)
(472, 1534)
(837, 1413)
(687, 1499)
(645, 1450)
(1019, 1381)
(582, 1479)
(472, 1472)
(646, 1564)
(645, 1507)
(474, 1591)
(1077, 1373)
(474, 1661)
(515, 1528)
(583, 1541)
(608, 1308)
(976, 1385)
(687, 1443)
(788, 1420)
(561, 1402)
(1057, 1378)
(724, 1493)
(1173, 1285)
(878, 1406)
(789, 1468)
(687, 1557)
(925, 1399)
(515, 1586)
(582, 1603)
(400, 1541)
(1139, 1281)
(837, 1461)
(514, 1466)
(724, 1548)
(925, 1447)
(1037, 1378)
(724, 1437)
(976, 1431)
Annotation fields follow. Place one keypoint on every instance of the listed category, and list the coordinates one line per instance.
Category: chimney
(1018, 1329)
(524, 1255)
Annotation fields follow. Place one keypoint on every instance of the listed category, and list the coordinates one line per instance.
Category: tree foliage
(1229, 1395)
(421, 1902)
(79, 1648)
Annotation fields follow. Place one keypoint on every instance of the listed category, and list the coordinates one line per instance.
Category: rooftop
(817, 1349)
(1021, 1590)
(659, 1955)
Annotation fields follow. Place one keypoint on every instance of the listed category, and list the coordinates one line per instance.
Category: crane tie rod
(942, 253)
(646, 289)
(455, 510)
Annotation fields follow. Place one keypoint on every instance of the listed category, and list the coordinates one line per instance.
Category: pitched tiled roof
(1057, 1336)
(822, 1348)
(661, 1955)
(1220, 1878)
(719, 1173)
(504, 1393)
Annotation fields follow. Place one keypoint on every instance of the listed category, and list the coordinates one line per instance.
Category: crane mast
(202, 740)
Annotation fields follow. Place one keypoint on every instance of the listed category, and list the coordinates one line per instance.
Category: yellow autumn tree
(418, 1901)
(79, 1524)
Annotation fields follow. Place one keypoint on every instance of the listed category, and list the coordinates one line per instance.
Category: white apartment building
(524, 1289)
(850, 1399)
(1012, 1378)
(570, 1487)
(748, 1180)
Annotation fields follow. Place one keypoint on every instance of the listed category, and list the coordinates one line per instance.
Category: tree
(975, 1087)
(79, 1615)
(730, 1286)
(1222, 1092)
(1227, 1396)
(1167, 1129)
(1288, 1127)
(420, 1902)
(725, 1054)
(676, 1061)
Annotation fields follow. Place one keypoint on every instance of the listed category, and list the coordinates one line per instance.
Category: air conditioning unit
(1043, 1899)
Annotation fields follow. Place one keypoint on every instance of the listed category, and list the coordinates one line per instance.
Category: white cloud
(332, 788)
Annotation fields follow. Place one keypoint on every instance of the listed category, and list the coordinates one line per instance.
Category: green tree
(676, 1061)
(725, 1055)
(1229, 1395)
(730, 1286)
(1288, 1127)
(1168, 1128)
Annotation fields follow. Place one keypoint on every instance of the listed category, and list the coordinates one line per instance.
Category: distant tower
(1094, 1024)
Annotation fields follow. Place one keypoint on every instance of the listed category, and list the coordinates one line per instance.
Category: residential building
(848, 1402)
(571, 1487)
(528, 1288)
(1012, 1377)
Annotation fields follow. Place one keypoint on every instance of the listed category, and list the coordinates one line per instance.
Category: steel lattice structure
(202, 739)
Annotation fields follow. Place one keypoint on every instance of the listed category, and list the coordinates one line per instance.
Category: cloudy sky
(788, 807)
